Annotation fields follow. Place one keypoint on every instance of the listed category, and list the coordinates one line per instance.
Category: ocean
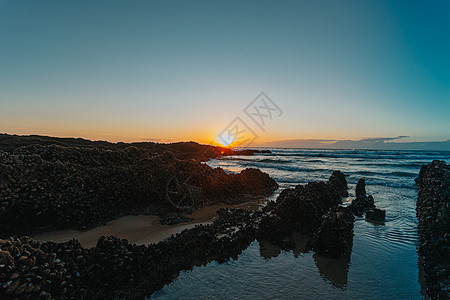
(383, 263)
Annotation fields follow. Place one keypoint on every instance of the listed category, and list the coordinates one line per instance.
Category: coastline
(132, 254)
(142, 229)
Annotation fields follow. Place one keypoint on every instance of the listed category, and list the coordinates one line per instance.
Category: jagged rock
(361, 205)
(219, 184)
(433, 214)
(335, 236)
(59, 187)
(375, 214)
(114, 268)
(338, 181)
(182, 150)
(300, 209)
(362, 202)
(361, 189)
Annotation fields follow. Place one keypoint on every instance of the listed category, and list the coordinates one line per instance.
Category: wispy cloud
(377, 143)
(383, 139)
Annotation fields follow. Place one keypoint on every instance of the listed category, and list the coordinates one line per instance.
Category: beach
(141, 229)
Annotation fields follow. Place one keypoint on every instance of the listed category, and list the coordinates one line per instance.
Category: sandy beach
(141, 229)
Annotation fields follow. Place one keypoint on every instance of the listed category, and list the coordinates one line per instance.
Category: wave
(265, 160)
(394, 185)
(275, 161)
(394, 173)
(326, 155)
(286, 168)
(366, 155)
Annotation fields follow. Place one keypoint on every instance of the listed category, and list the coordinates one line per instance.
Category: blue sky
(182, 70)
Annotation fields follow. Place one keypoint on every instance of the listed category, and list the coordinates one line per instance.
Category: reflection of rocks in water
(334, 270)
(301, 243)
(269, 250)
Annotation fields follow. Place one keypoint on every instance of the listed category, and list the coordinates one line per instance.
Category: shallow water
(383, 263)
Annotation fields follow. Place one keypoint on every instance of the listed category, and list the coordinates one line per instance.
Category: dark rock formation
(312, 210)
(300, 209)
(361, 189)
(338, 181)
(433, 214)
(376, 215)
(218, 184)
(70, 187)
(115, 269)
(335, 236)
(361, 205)
(365, 204)
(362, 202)
(182, 150)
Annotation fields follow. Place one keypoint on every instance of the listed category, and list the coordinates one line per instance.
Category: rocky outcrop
(115, 269)
(433, 214)
(335, 236)
(226, 187)
(376, 215)
(338, 181)
(57, 187)
(362, 202)
(365, 204)
(182, 150)
(312, 210)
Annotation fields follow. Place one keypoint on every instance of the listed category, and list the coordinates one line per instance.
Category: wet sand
(141, 229)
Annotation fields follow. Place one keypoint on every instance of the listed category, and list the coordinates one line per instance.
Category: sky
(185, 70)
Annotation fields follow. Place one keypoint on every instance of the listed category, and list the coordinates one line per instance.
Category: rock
(338, 181)
(433, 215)
(56, 187)
(300, 209)
(361, 189)
(360, 205)
(362, 202)
(116, 269)
(334, 238)
(230, 188)
(375, 214)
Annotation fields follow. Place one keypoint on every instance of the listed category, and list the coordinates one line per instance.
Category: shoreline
(142, 229)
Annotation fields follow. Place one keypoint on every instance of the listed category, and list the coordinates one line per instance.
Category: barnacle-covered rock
(335, 236)
(433, 214)
(57, 186)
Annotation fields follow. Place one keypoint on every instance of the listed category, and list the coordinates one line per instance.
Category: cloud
(378, 143)
(383, 139)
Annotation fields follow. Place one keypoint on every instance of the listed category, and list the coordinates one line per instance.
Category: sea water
(383, 263)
